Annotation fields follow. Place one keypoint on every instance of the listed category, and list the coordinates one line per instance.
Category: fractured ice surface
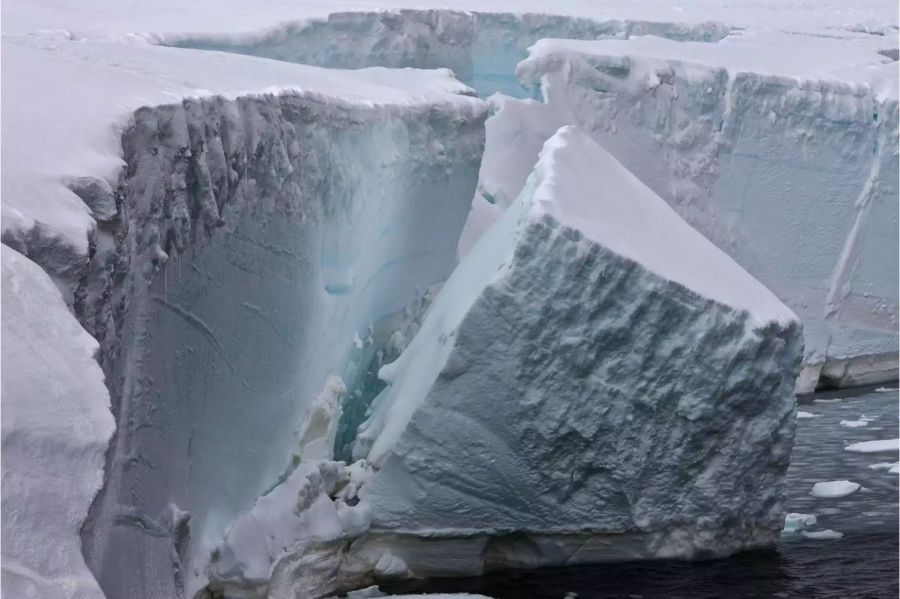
(595, 381)
(786, 161)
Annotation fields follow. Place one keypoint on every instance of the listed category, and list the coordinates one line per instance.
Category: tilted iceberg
(596, 381)
(785, 159)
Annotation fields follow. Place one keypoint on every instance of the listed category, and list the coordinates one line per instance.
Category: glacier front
(596, 381)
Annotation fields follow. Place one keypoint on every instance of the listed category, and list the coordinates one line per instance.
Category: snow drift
(596, 381)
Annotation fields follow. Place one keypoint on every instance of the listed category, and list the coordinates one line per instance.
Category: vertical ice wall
(255, 241)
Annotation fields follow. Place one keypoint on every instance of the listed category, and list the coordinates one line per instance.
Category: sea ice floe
(854, 423)
(884, 466)
(879, 446)
(834, 488)
(803, 415)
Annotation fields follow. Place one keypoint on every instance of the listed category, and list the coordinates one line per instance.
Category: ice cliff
(596, 381)
(786, 161)
(260, 238)
(236, 255)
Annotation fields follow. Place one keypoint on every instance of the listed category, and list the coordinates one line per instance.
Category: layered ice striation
(786, 160)
(596, 381)
(481, 48)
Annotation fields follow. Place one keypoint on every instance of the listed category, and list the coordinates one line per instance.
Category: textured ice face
(259, 240)
(560, 393)
(785, 161)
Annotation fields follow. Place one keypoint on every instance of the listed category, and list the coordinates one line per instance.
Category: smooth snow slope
(596, 381)
(785, 160)
(56, 424)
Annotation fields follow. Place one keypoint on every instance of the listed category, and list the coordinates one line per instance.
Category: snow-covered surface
(853, 59)
(50, 138)
(514, 410)
(105, 17)
(881, 446)
(834, 489)
(56, 424)
(610, 205)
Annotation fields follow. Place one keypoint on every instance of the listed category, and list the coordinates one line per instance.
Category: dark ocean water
(863, 564)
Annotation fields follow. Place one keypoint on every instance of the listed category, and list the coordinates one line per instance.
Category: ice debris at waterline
(794, 522)
(571, 384)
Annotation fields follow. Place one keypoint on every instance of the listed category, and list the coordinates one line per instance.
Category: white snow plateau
(298, 297)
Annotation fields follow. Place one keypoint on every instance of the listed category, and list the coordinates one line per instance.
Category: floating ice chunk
(320, 422)
(804, 415)
(883, 465)
(885, 389)
(541, 392)
(832, 400)
(880, 446)
(834, 489)
(821, 535)
(795, 522)
(854, 423)
(895, 469)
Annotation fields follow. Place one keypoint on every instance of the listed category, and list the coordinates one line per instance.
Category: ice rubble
(553, 405)
(769, 150)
